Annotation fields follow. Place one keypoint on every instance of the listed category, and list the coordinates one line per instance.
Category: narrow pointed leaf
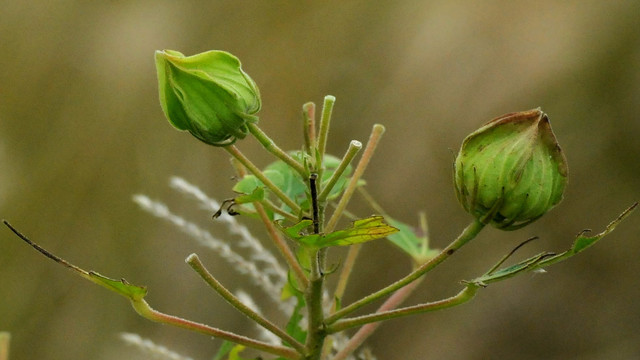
(363, 230)
(414, 245)
(582, 241)
(256, 195)
(511, 270)
(545, 259)
(122, 287)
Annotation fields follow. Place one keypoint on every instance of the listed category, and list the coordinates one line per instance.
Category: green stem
(143, 308)
(345, 273)
(199, 268)
(235, 152)
(365, 331)
(374, 139)
(268, 204)
(282, 246)
(467, 234)
(463, 296)
(353, 149)
(313, 296)
(309, 126)
(271, 146)
(325, 121)
(352, 255)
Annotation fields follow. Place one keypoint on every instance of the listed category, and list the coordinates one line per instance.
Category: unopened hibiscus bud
(511, 171)
(207, 94)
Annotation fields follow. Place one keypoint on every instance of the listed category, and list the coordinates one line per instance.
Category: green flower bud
(511, 171)
(207, 94)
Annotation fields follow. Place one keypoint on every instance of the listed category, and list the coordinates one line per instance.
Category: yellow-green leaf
(362, 230)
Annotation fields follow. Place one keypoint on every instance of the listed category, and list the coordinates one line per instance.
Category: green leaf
(256, 195)
(225, 348)
(289, 181)
(293, 327)
(545, 259)
(416, 246)
(295, 231)
(582, 242)
(122, 287)
(510, 271)
(363, 230)
(247, 185)
(234, 354)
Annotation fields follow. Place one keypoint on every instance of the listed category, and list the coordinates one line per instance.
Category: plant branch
(365, 331)
(325, 121)
(353, 149)
(282, 246)
(347, 267)
(352, 255)
(268, 204)
(309, 125)
(235, 152)
(374, 139)
(463, 296)
(467, 234)
(271, 146)
(143, 308)
(199, 268)
(313, 297)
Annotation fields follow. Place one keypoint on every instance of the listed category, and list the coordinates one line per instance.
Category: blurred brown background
(81, 131)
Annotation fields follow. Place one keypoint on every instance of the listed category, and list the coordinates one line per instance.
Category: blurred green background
(81, 131)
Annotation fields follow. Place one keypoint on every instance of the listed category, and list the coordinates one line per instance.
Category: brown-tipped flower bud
(207, 94)
(511, 171)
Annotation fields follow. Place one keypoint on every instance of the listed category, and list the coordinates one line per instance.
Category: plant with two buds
(508, 173)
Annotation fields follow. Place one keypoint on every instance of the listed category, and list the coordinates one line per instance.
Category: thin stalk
(467, 234)
(463, 296)
(325, 121)
(268, 204)
(271, 146)
(282, 246)
(353, 149)
(242, 172)
(374, 139)
(235, 152)
(199, 268)
(365, 331)
(5, 338)
(347, 267)
(352, 255)
(313, 296)
(309, 125)
(143, 308)
(371, 201)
